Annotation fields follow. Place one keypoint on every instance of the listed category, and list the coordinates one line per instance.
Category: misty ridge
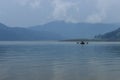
(57, 30)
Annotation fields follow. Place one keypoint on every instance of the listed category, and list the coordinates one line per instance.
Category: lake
(59, 61)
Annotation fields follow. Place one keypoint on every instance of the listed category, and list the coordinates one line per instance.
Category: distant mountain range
(23, 34)
(76, 30)
(58, 30)
(113, 35)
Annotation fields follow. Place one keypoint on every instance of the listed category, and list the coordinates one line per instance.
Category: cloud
(0, 14)
(30, 3)
(100, 13)
(95, 18)
(35, 4)
(92, 11)
(104, 12)
(15, 12)
(65, 10)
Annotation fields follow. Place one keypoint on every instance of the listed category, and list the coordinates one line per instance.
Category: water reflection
(60, 62)
(3, 53)
(108, 51)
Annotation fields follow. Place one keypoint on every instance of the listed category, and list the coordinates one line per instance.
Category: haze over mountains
(113, 35)
(58, 30)
(23, 34)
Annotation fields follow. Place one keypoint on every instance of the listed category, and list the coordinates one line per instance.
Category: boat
(82, 42)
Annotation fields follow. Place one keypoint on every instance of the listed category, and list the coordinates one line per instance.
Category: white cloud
(95, 18)
(92, 11)
(22, 2)
(35, 4)
(65, 10)
(43, 11)
(0, 14)
(70, 10)
(30, 3)
(100, 14)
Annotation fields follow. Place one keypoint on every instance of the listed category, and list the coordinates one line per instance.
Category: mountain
(58, 30)
(113, 35)
(23, 34)
(75, 30)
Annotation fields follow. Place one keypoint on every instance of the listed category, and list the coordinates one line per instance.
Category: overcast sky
(35, 12)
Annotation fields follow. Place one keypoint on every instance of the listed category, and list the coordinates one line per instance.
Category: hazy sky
(34, 12)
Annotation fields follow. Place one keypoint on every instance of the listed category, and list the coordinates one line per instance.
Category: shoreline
(90, 40)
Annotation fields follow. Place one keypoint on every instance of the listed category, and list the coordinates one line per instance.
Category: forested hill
(113, 35)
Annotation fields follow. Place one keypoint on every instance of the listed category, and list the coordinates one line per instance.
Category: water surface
(59, 61)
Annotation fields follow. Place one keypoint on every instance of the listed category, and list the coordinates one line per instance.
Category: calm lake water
(59, 61)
